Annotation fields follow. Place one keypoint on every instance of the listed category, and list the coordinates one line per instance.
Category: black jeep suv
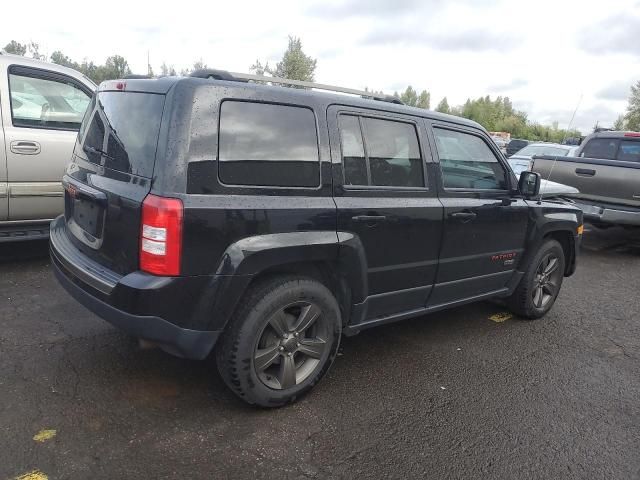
(269, 221)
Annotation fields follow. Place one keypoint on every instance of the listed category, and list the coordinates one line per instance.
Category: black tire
(282, 302)
(525, 300)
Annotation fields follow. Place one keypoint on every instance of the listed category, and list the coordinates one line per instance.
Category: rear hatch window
(114, 161)
(122, 132)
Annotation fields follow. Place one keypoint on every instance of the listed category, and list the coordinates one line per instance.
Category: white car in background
(522, 162)
(41, 108)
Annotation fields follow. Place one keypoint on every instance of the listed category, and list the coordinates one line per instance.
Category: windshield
(531, 150)
(122, 131)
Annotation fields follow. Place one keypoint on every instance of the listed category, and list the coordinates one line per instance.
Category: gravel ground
(449, 395)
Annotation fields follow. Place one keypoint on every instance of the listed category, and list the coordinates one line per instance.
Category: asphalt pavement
(465, 393)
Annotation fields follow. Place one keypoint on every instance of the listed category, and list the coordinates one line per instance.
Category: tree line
(630, 120)
(494, 114)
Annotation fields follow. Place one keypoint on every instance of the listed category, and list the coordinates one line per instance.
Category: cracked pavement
(449, 395)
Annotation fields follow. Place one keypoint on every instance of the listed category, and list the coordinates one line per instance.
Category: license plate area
(88, 216)
(85, 220)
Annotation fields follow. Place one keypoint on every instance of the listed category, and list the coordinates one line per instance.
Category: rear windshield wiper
(90, 149)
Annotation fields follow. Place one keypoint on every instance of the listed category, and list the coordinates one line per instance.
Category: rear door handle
(463, 216)
(585, 172)
(369, 218)
(25, 147)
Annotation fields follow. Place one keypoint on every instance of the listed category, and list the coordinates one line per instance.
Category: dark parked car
(269, 221)
(515, 145)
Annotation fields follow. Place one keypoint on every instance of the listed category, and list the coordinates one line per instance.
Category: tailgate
(110, 176)
(607, 181)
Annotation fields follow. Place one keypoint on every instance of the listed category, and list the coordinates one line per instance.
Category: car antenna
(564, 139)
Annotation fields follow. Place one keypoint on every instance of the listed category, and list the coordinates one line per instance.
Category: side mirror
(529, 184)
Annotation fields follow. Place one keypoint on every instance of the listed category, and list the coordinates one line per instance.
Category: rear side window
(122, 132)
(264, 144)
(605, 148)
(379, 152)
(41, 102)
(629, 151)
(467, 162)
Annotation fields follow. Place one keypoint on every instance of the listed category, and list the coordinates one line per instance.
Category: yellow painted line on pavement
(501, 317)
(44, 435)
(32, 475)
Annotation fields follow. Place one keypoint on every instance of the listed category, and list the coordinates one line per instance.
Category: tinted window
(601, 148)
(467, 162)
(125, 126)
(95, 139)
(45, 102)
(354, 163)
(392, 156)
(629, 151)
(268, 145)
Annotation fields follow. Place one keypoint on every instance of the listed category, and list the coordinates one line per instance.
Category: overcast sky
(544, 55)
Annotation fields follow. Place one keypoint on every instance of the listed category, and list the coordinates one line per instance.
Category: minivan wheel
(281, 342)
(540, 285)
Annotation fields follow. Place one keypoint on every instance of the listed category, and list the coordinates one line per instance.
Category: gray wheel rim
(546, 281)
(293, 342)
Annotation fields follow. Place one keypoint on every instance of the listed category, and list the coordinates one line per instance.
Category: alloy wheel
(292, 344)
(546, 281)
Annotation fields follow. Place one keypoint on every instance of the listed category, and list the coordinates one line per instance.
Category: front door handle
(463, 216)
(369, 218)
(25, 147)
(585, 172)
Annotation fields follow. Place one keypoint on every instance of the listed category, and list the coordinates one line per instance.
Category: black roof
(164, 84)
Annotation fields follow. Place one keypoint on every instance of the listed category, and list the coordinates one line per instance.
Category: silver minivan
(41, 108)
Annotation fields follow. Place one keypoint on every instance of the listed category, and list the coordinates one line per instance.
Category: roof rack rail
(246, 77)
(216, 74)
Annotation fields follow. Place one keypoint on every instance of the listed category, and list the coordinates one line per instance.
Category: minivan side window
(389, 155)
(263, 144)
(467, 162)
(46, 102)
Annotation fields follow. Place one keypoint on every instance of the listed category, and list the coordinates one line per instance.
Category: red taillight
(161, 235)
(632, 134)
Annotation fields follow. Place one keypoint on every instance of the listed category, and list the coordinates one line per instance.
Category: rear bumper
(132, 301)
(601, 213)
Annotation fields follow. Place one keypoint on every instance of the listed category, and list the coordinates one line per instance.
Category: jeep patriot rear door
(386, 200)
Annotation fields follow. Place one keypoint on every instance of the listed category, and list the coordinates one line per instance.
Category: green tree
(410, 97)
(167, 70)
(60, 58)
(633, 109)
(443, 106)
(260, 69)
(34, 50)
(619, 124)
(16, 48)
(295, 64)
(424, 100)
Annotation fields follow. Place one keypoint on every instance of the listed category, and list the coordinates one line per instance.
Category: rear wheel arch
(328, 273)
(335, 259)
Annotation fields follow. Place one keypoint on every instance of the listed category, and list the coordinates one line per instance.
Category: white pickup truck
(41, 108)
